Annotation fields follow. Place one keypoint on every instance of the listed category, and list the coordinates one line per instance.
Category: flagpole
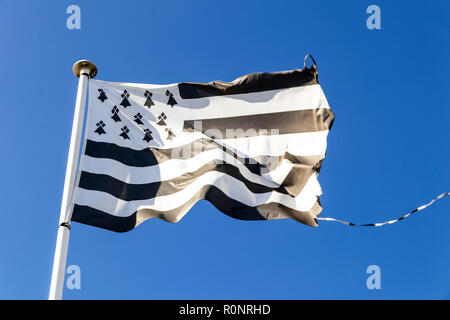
(84, 70)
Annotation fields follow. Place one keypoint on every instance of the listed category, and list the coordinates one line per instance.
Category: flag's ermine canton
(252, 147)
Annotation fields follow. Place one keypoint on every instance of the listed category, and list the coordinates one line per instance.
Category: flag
(253, 147)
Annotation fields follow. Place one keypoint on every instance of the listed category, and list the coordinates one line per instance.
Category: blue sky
(388, 150)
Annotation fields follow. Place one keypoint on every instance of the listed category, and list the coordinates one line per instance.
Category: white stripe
(308, 97)
(174, 168)
(289, 99)
(298, 144)
(298, 98)
(232, 187)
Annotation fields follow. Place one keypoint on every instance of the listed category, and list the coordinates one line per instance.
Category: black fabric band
(254, 82)
(65, 224)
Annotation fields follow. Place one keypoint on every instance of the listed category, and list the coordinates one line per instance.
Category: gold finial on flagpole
(84, 65)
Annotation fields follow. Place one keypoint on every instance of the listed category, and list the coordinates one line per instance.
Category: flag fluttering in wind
(253, 147)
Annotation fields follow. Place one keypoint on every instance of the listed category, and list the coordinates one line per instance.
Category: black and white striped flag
(252, 147)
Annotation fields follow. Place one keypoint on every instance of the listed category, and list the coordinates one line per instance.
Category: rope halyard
(386, 222)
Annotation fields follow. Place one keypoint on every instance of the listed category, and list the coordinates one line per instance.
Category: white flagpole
(84, 70)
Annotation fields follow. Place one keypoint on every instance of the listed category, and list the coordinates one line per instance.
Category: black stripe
(97, 218)
(130, 192)
(254, 82)
(127, 156)
(117, 188)
(298, 121)
(154, 156)
(231, 207)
